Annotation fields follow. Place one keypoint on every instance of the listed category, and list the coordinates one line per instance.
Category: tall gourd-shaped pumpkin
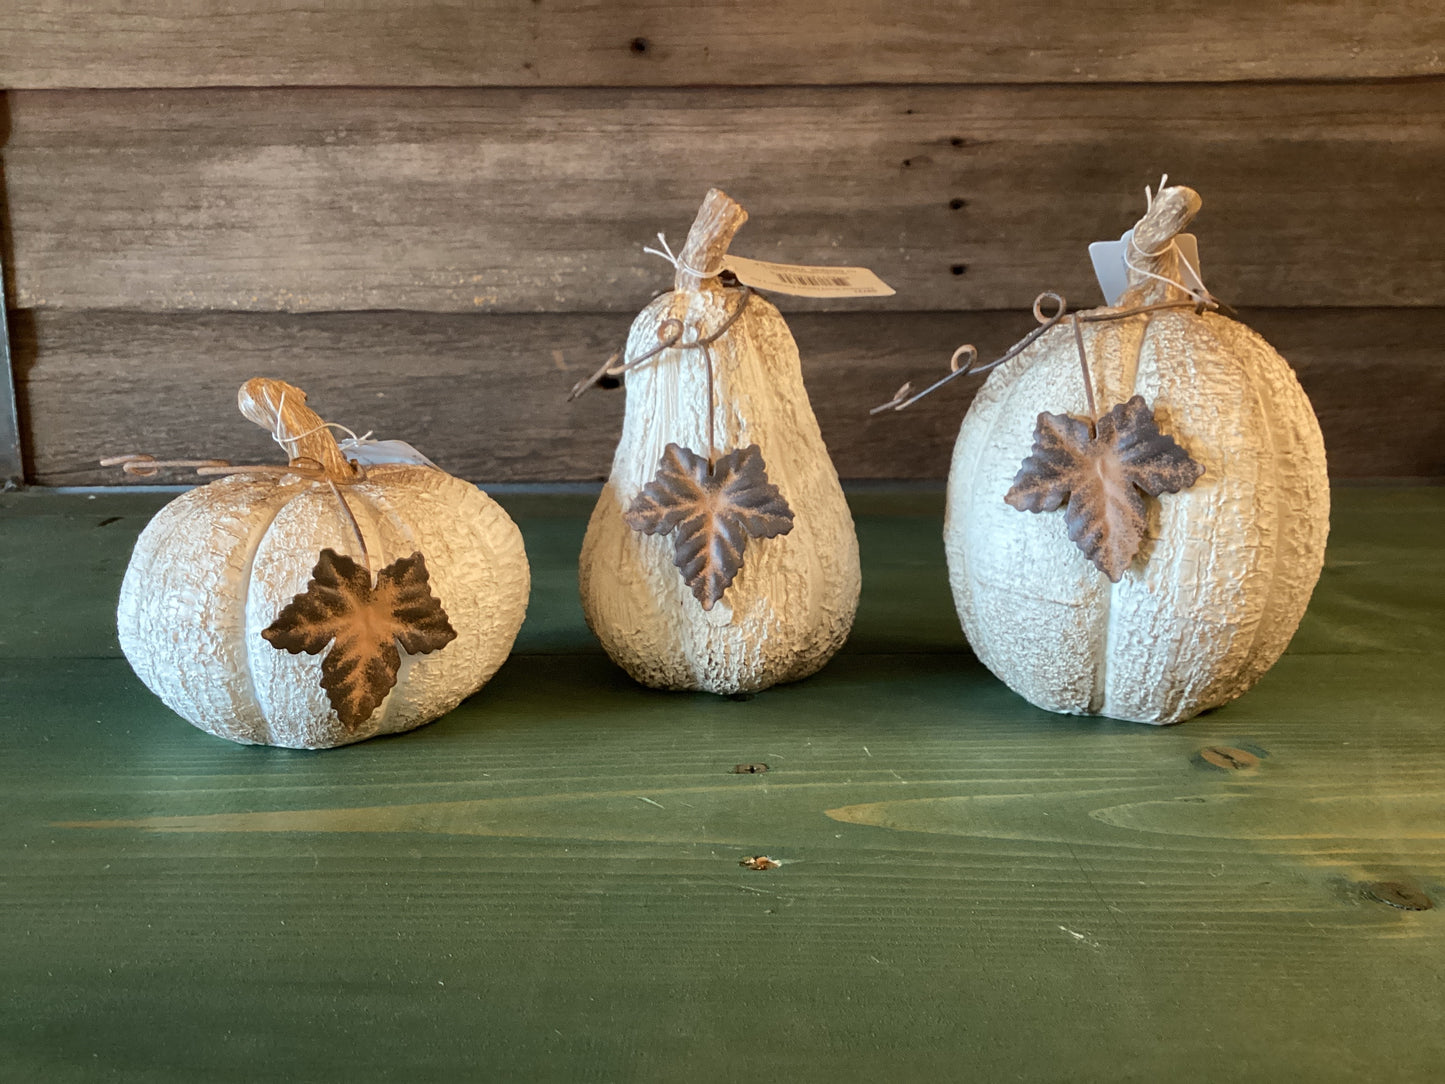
(1226, 565)
(728, 427)
(322, 603)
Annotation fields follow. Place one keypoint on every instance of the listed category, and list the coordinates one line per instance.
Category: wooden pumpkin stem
(718, 219)
(280, 409)
(1171, 210)
(1153, 252)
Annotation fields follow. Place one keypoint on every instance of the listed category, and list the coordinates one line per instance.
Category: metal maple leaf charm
(366, 623)
(1103, 478)
(711, 513)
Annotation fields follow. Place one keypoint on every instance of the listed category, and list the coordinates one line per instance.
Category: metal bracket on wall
(12, 466)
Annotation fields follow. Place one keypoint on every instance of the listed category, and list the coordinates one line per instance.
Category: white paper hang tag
(374, 453)
(1112, 271)
(803, 280)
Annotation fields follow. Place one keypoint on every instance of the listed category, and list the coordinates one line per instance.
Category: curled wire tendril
(904, 397)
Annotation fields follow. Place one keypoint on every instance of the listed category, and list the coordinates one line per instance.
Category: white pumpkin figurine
(1227, 556)
(721, 556)
(325, 602)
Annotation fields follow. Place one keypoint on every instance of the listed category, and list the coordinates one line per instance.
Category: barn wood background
(431, 215)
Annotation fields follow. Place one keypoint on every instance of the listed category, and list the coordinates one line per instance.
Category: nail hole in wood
(1227, 758)
(957, 204)
(958, 141)
(639, 45)
(1397, 894)
(907, 162)
(959, 268)
(749, 769)
(760, 861)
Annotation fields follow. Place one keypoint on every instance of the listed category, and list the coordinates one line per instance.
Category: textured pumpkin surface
(1226, 567)
(218, 564)
(970, 889)
(792, 605)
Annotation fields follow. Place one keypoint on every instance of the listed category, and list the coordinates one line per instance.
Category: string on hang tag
(364, 452)
(671, 257)
(1198, 292)
(285, 442)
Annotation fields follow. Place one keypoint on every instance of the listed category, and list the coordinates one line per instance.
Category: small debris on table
(760, 861)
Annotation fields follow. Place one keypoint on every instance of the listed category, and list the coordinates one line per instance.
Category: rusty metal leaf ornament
(1103, 478)
(366, 624)
(711, 513)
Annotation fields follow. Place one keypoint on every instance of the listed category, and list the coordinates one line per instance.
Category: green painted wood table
(546, 884)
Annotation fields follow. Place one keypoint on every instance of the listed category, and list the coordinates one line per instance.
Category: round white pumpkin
(792, 604)
(1227, 566)
(217, 565)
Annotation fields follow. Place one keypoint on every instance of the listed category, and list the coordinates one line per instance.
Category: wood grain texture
(547, 882)
(484, 396)
(541, 200)
(74, 43)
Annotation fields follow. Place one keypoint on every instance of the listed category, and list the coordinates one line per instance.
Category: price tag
(805, 281)
(373, 453)
(1113, 273)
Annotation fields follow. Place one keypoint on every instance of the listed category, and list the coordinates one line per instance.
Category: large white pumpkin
(1226, 567)
(217, 565)
(792, 605)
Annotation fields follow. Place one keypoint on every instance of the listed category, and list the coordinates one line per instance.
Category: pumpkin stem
(280, 409)
(1153, 252)
(718, 219)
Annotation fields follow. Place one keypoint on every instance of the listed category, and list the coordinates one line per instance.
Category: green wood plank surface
(545, 884)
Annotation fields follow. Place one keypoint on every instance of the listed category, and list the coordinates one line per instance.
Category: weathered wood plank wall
(432, 216)
(185, 43)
